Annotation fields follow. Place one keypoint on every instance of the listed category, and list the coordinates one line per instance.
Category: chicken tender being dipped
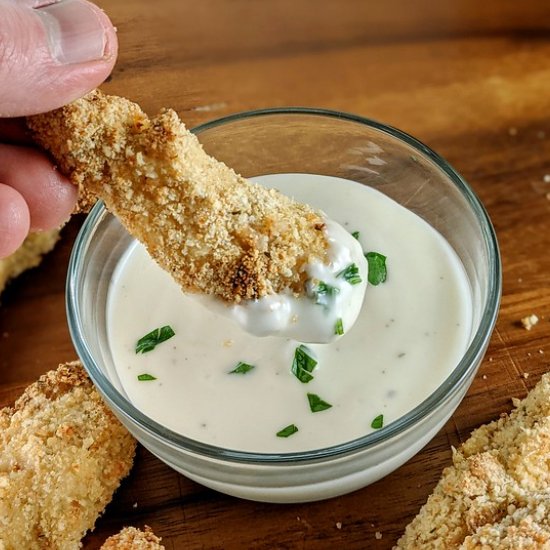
(267, 258)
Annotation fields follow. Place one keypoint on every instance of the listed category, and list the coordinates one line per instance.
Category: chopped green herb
(146, 377)
(339, 327)
(322, 292)
(303, 364)
(241, 368)
(316, 404)
(355, 235)
(378, 422)
(377, 268)
(154, 338)
(288, 431)
(351, 274)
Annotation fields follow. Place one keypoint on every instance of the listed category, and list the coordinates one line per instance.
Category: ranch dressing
(409, 335)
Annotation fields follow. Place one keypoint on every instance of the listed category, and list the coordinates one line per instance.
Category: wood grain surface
(471, 79)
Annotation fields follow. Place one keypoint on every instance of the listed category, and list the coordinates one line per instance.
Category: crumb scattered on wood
(530, 321)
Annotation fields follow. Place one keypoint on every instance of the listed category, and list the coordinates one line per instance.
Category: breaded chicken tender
(28, 255)
(62, 456)
(497, 493)
(213, 230)
(131, 538)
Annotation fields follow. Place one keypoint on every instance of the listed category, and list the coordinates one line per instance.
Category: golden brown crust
(28, 255)
(497, 493)
(131, 538)
(62, 455)
(214, 231)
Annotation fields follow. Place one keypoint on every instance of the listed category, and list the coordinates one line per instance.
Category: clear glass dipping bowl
(315, 142)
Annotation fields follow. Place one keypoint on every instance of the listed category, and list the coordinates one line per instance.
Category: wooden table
(471, 79)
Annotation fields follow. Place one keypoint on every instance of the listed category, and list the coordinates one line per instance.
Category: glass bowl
(314, 142)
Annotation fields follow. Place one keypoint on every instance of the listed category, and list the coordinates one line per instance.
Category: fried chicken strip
(28, 255)
(131, 538)
(62, 455)
(214, 231)
(496, 495)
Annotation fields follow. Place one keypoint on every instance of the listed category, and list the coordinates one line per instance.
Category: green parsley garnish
(355, 235)
(377, 267)
(351, 274)
(316, 404)
(378, 422)
(146, 377)
(241, 368)
(288, 431)
(154, 338)
(322, 292)
(339, 327)
(303, 364)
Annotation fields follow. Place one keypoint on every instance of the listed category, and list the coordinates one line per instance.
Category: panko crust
(213, 230)
(28, 255)
(496, 495)
(131, 538)
(62, 456)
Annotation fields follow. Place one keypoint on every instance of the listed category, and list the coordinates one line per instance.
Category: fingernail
(76, 32)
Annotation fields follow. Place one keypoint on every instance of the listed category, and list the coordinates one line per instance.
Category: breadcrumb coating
(28, 255)
(131, 538)
(496, 495)
(62, 455)
(213, 230)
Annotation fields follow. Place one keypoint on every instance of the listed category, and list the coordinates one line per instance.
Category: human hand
(51, 52)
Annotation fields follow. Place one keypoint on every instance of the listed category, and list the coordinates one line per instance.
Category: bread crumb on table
(62, 455)
(530, 321)
(378, 535)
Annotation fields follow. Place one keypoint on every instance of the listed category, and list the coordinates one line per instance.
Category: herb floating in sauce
(146, 377)
(303, 364)
(355, 235)
(339, 327)
(351, 274)
(154, 338)
(291, 429)
(378, 422)
(323, 291)
(241, 368)
(377, 267)
(316, 404)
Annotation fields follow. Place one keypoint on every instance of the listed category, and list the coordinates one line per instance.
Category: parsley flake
(378, 422)
(339, 327)
(355, 235)
(303, 364)
(351, 274)
(289, 430)
(322, 293)
(377, 268)
(154, 338)
(316, 404)
(241, 368)
(145, 377)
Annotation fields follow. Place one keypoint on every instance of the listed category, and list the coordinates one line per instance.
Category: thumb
(51, 52)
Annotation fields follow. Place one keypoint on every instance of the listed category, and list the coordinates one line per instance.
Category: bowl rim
(446, 391)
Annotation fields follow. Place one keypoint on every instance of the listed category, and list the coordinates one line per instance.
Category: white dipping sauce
(410, 334)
